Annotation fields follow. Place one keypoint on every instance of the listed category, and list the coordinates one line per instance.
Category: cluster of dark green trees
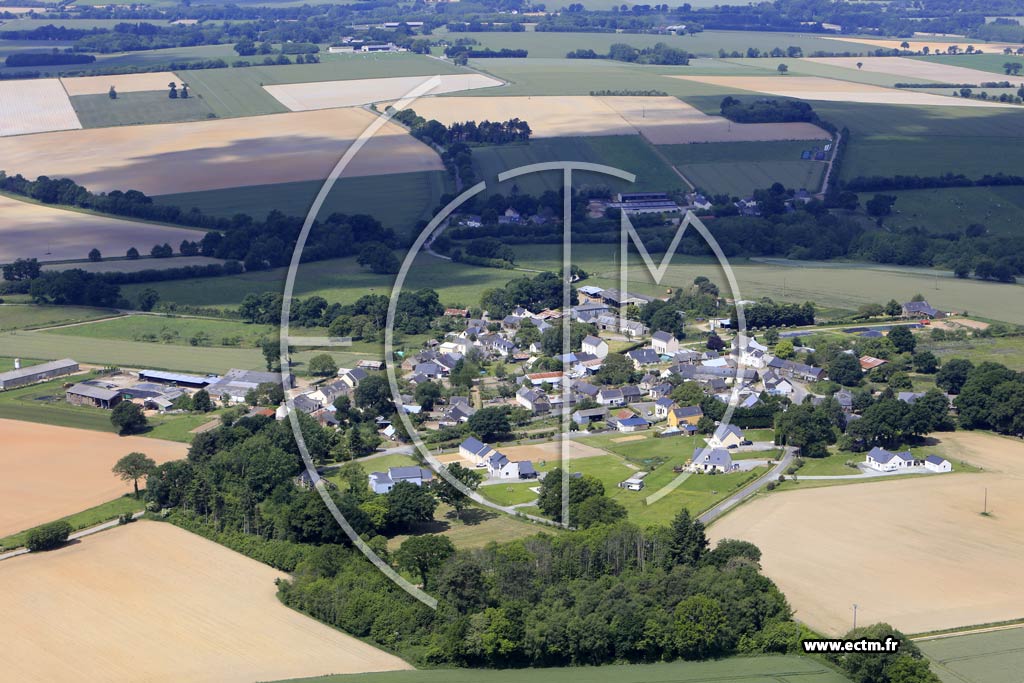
(660, 53)
(610, 593)
(766, 314)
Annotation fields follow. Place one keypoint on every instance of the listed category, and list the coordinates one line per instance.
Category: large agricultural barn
(37, 373)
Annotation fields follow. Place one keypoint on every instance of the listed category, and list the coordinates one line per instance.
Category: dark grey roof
(63, 364)
(92, 391)
(935, 460)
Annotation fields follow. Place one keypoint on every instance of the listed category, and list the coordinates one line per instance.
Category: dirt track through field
(832, 90)
(330, 94)
(152, 602)
(49, 472)
(48, 234)
(662, 120)
(915, 553)
(208, 155)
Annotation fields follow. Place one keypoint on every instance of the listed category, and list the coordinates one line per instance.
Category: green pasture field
(29, 316)
(175, 330)
(740, 178)
(126, 504)
(627, 152)
(396, 200)
(722, 152)
(7, 362)
(31, 24)
(341, 280)
(828, 284)
(10, 47)
(759, 669)
(1006, 350)
(953, 209)
(706, 44)
(993, 657)
(477, 527)
(832, 465)
(132, 108)
(239, 92)
(126, 265)
(142, 58)
(182, 358)
(889, 140)
(989, 61)
(509, 494)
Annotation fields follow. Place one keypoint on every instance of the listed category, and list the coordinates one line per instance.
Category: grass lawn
(397, 200)
(628, 152)
(760, 669)
(85, 519)
(7, 362)
(177, 427)
(1006, 350)
(509, 494)
(953, 209)
(132, 108)
(994, 657)
(834, 464)
(29, 316)
(477, 528)
(172, 330)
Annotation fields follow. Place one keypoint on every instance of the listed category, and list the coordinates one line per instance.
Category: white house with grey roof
(726, 436)
(595, 345)
(383, 482)
(887, 461)
(934, 463)
(664, 343)
(707, 460)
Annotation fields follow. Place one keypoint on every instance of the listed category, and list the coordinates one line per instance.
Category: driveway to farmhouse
(750, 489)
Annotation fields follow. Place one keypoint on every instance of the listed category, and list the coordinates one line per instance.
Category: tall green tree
(687, 541)
(133, 467)
(424, 554)
(449, 494)
(128, 417)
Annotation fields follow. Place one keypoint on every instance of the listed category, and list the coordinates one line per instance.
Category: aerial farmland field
(188, 157)
(992, 657)
(74, 463)
(49, 234)
(199, 612)
(939, 519)
(350, 93)
(35, 107)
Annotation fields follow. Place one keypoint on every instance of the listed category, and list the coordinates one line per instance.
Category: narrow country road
(750, 489)
(71, 537)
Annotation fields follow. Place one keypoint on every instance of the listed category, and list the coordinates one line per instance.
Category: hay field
(662, 120)
(309, 96)
(933, 44)
(207, 155)
(831, 90)
(50, 472)
(48, 234)
(915, 553)
(914, 70)
(35, 106)
(152, 602)
(99, 85)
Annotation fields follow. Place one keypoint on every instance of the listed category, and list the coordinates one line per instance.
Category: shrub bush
(48, 536)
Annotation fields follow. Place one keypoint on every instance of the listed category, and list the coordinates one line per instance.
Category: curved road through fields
(750, 489)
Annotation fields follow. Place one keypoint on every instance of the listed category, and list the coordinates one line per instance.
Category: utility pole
(855, 616)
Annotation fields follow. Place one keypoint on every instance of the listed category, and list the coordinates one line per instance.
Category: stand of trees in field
(660, 53)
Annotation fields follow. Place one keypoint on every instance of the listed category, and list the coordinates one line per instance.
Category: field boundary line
(103, 526)
(968, 632)
(665, 159)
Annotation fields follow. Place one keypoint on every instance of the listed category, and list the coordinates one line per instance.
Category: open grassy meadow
(397, 200)
(172, 330)
(1006, 350)
(705, 44)
(126, 504)
(627, 152)
(26, 316)
(132, 108)
(993, 657)
(142, 58)
(738, 168)
(780, 669)
(991, 62)
(953, 209)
